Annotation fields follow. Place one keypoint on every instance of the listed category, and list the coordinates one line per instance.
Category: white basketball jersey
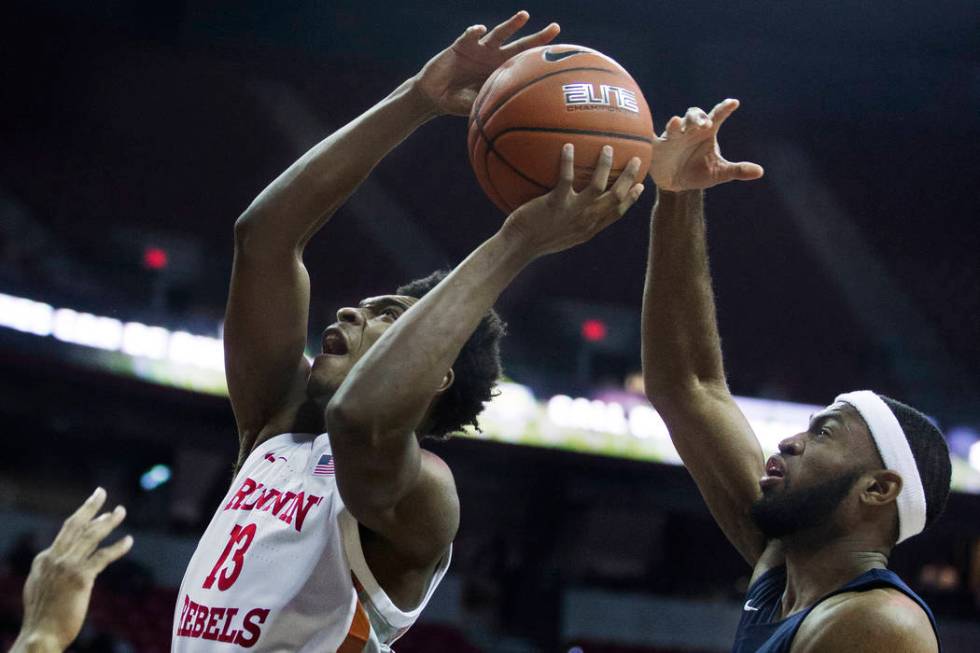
(280, 566)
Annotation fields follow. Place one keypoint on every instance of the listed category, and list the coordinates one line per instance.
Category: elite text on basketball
(584, 96)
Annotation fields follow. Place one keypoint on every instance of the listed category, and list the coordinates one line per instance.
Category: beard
(792, 511)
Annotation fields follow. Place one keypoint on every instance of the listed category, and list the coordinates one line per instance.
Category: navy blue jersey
(761, 631)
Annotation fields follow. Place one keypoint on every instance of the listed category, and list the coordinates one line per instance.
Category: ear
(447, 382)
(881, 487)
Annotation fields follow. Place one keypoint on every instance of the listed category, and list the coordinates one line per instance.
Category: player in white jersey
(338, 526)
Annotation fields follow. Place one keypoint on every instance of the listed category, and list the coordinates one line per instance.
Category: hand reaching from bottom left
(59, 587)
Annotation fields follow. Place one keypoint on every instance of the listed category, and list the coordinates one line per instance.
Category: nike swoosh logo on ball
(550, 55)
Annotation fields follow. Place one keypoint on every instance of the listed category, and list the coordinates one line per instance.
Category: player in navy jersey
(818, 519)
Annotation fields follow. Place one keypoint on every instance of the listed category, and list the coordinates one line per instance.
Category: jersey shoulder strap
(886, 578)
(388, 621)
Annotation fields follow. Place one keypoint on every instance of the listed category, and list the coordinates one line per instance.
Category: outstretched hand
(57, 591)
(564, 218)
(452, 79)
(686, 155)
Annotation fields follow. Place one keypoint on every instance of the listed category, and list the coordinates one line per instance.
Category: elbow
(257, 237)
(668, 379)
(664, 371)
(245, 228)
(653, 392)
(344, 417)
(661, 383)
(338, 416)
(676, 394)
(249, 221)
(659, 394)
(666, 389)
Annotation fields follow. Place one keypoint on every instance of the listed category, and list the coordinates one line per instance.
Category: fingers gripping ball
(543, 98)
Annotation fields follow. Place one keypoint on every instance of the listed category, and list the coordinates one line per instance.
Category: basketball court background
(132, 136)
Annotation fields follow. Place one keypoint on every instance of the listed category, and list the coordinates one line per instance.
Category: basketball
(546, 97)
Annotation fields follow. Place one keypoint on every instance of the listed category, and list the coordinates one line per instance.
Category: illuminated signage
(618, 424)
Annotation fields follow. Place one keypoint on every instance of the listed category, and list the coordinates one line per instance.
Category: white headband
(897, 455)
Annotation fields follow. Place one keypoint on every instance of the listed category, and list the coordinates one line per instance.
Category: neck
(814, 568)
(309, 417)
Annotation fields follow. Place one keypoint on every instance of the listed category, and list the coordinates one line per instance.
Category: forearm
(301, 200)
(389, 390)
(680, 341)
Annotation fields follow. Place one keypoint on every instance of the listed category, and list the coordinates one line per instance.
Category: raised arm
(268, 303)
(682, 361)
(373, 417)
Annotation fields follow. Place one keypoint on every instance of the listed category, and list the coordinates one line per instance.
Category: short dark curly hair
(476, 370)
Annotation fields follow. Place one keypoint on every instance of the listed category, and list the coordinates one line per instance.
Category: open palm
(686, 155)
(452, 79)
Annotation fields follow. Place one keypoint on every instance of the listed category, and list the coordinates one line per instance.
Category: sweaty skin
(685, 380)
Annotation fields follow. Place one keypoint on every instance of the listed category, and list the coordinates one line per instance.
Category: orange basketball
(542, 99)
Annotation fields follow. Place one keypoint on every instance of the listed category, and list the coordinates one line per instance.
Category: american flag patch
(324, 466)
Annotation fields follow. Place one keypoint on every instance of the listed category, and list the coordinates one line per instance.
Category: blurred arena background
(133, 134)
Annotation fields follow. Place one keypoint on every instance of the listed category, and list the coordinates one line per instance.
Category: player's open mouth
(774, 473)
(334, 342)
(774, 467)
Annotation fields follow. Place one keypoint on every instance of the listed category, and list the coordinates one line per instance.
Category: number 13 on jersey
(241, 538)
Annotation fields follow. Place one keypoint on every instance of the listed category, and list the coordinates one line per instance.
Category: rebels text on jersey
(270, 571)
(281, 568)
